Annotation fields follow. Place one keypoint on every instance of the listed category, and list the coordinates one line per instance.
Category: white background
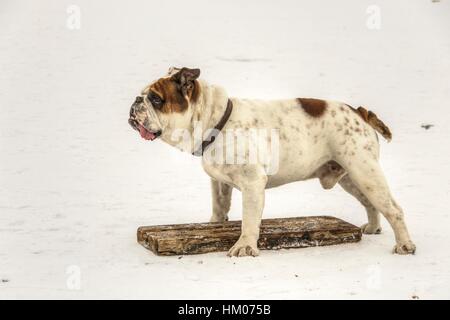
(76, 181)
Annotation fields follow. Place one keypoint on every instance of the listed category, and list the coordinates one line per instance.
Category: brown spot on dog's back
(313, 107)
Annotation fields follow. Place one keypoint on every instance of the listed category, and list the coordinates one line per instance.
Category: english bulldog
(328, 140)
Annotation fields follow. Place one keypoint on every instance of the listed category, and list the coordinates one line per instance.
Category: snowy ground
(76, 181)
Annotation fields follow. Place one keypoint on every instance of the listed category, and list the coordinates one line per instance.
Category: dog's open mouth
(148, 135)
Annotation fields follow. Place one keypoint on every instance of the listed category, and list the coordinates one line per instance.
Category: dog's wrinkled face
(163, 105)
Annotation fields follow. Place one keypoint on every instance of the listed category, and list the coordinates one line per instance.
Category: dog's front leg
(221, 201)
(253, 205)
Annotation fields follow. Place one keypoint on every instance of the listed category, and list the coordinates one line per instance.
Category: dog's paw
(405, 248)
(243, 248)
(370, 229)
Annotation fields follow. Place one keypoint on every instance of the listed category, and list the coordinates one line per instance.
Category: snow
(76, 181)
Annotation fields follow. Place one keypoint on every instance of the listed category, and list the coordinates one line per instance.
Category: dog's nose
(139, 99)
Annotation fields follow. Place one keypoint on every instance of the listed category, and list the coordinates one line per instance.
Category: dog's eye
(155, 100)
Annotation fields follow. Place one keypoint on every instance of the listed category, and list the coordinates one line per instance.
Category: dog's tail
(372, 119)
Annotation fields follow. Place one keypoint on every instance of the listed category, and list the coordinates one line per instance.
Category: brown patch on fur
(178, 90)
(195, 93)
(169, 92)
(372, 119)
(313, 107)
(187, 84)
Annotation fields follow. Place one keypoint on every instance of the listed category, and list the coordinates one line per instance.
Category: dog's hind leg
(373, 225)
(221, 200)
(368, 177)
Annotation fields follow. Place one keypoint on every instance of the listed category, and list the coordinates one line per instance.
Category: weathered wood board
(195, 238)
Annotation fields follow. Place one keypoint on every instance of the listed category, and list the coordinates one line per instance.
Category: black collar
(219, 126)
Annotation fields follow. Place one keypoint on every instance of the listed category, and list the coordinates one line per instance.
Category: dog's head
(164, 105)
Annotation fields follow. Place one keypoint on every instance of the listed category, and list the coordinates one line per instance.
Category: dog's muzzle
(143, 131)
(132, 119)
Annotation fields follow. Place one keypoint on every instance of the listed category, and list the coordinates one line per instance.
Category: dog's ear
(172, 71)
(185, 75)
(185, 79)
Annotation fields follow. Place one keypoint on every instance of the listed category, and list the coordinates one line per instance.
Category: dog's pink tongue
(147, 135)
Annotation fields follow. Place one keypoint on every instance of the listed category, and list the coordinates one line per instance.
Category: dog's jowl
(252, 145)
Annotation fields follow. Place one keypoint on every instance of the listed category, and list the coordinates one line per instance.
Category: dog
(328, 140)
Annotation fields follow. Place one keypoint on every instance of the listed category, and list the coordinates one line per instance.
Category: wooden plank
(195, 238)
